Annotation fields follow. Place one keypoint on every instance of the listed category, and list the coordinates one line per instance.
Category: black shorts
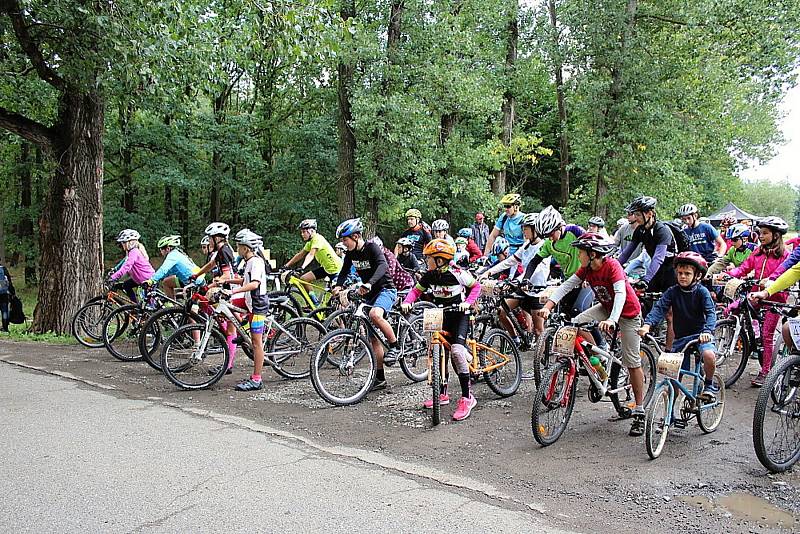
(456, 324)
(527, 302)
(320, 273)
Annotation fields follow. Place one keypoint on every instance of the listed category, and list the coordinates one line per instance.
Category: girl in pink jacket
(136, 264)
(762, 262)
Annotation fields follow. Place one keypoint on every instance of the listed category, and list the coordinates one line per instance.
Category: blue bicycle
(660, 412)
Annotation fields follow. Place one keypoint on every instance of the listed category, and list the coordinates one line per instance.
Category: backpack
(16, 315)
(680, 239)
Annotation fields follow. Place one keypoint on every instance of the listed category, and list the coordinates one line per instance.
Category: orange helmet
(439, 248)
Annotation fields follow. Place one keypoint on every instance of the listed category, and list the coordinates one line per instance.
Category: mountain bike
(311, 299)
(660, 416)
(87, 323)
(123, 325)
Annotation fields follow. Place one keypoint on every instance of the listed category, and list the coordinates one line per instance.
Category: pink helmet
(694, 259)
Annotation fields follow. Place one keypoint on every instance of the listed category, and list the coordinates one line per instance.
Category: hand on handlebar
(607, 326)
(364, 289)
(464, 306)
(705, 337)
(757, 295)
(644, 330)
(544, 313)
(405, 307)
(640, 284)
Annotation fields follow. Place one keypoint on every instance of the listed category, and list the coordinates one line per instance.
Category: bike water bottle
(314, 298)
(756, 328)
(598, 366)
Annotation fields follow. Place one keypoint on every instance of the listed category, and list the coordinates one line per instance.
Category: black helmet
(642, 204)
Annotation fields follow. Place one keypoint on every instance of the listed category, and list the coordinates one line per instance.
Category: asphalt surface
(141, 443)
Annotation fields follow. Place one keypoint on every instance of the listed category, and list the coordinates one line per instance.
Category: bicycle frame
(302, 286)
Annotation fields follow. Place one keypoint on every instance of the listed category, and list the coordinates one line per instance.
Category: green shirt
(562, 250)
(325, 256)
(736, 257)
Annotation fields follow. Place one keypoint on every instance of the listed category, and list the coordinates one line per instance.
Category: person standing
(480, 231)
(6, 292)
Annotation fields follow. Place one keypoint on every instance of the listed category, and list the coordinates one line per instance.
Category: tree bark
(563, 139)
(71, 224)
(499, 185)
(346, 184)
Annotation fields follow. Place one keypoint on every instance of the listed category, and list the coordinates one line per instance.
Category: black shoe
(391, 357)
(378, 385)
(637, 425)
(239, 341)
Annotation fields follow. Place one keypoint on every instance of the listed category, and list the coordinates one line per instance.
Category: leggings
(771, 320)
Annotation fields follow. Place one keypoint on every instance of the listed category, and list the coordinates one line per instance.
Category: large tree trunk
(346, 183)
(563, 139)
(71, 224)
(509, 101)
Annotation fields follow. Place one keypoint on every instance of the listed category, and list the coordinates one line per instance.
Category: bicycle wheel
(541, 354)
(731, 366)
(121, 332)
(287, 299)
(413, 346)
(158, 327)
(292, 347)
(506, 378)
(320, 314)
(87, 323)
(776, 419)
(624, 401)
(343, 367)
(553, 403)
(709, 416)
(436, 384)
(656, 427)
(186, 366)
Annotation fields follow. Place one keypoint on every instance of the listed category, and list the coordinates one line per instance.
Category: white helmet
(773, 223)
(127, 235)
(549, 221)
(686, 209)
(242, 232)
(250, 239)
(530, 220)
(377, 240)
(218, 228)
(340, 246)
(205, 240)
(439, 225)
(307, 224)
(597, 221)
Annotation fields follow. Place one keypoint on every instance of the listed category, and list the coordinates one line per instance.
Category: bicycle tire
(301, 347)
(780, 376)
(545, 402)
(505, 380)
(656, 429)
(88, 330)
(320, 314)
(541, 354)
(158, 327)
(292, 300)
(179, 369)
(436, 384)
(707, 420)
(732, 367)
(413, 346)
(121, 332)
(323, 371)
(649, 367)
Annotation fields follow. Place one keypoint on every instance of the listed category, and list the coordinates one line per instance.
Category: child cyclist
(694, 315)
(618, 305)
(136, 265)
(450, 285)
(176, 264)
(740, 248)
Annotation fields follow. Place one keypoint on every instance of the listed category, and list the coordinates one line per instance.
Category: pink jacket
(762, 266)
(135, 264)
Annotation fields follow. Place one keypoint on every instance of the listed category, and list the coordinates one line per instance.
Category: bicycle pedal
(680, 423)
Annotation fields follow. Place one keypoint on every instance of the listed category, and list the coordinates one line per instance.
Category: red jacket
(473, 250)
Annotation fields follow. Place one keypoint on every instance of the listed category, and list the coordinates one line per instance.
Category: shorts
(527, 302)
(679, 344)
(630, 343)
(257, 323)
(320, 274)
(384, 300)
(456, 324)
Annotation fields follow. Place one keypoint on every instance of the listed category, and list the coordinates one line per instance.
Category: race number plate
(669, 364)
(731, 287)
(794, 330)
(432, 319)
(718, 279)
(488, 287)
(545, 295)
(564, 340)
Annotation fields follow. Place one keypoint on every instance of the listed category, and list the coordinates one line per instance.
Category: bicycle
(87, 323)
(660, 416)
(304, 296)
(776, 417)
(496, 358)
(556, 393)
(196, 355)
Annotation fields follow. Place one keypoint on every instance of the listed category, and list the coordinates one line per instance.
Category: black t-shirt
(420, 236)
(448, 287)
(650, 238)
(224, 258)
(371, 266)
(408, 262)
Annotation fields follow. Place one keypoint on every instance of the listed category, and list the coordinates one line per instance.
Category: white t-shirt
(256, 300)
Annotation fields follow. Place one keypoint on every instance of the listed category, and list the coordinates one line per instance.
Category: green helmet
(169, 241)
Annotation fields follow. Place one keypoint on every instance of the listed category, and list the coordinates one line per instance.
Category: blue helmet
(500, 245)
(738, 231)
(349, 227)
(465, 232)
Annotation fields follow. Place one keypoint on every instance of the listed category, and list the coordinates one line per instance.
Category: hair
(777, 248)
(136, 244)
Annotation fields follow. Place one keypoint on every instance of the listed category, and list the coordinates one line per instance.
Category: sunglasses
(506, 206)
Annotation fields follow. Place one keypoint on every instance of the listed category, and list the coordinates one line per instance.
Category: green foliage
(768, 198)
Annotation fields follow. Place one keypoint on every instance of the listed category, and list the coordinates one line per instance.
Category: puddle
(746, 507)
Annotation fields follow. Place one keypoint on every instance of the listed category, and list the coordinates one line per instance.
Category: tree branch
(29, 45)
(26, 128)
(661, 18)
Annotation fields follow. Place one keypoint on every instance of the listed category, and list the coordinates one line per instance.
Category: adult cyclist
(316, 248)
(509, 224)
(416, 232)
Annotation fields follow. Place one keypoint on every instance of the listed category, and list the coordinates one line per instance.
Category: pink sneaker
(444, 398)
(464, 408)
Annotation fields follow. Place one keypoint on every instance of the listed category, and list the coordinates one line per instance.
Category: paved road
(78, 460)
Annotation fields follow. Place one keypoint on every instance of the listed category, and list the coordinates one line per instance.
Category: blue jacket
(693, 312)
(176, 263)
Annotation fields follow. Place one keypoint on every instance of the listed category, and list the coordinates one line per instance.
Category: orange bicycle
(88, 321)
(496, 358)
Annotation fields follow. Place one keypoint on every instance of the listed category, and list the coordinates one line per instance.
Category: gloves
(285, 275)
(192, 277)
(464, 306)
(640, 284)
(406, 307)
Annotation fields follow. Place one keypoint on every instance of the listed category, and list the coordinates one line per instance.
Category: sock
(231, 349)
(463, 380)
(638, 409)
(380, 376)
(393, 344)
(255, 378)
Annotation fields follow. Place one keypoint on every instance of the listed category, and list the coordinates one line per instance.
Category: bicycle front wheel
(190, 365)
(553, 403)
(121, 332)
(656, 423)
(159, 326)
(413, 349)
(87, 323)
(436, 384)
(732, 354)
(343, 368)
(292, 346)
(776, 420)
(502, 359)
(541, 354)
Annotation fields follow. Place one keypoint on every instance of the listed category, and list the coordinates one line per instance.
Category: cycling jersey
(702, 239)
(511, 228)
(325, 255)
(419, 236)
(136, 265)
(787, 264)
(736, 256)
(562, 250)
(447, 287)
(524, 255)
(760, 264)
(224, 259)
(660, 246)
(176, 263)
(371, 266)
(257, 300)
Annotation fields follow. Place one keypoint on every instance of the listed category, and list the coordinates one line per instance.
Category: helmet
(439, 248)
(594, 242)
(405, 242)
(307, 224)
(169, 241)
(339, 246)
(500, 245)
(413, 212)
(127, 235)
(530, 220)
(218, 228)
(205, 240)
(549, 221)
(440, 224)
(241, 232)
(249, 239)
(642, 204)
(349, 227)
(377, 240)
(511, 199)
(597, 221)
(686, 209)
(692, 258)
(774, 223)
(728, 220)
(461, 241)
(465, 232)
(738, 231)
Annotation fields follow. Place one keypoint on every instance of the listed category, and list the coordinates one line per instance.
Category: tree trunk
(71, 224)
(215, 204)
(509, 100)
(346, 184)
(563, 139)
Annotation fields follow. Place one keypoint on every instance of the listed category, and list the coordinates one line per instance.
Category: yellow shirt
(325, 256)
